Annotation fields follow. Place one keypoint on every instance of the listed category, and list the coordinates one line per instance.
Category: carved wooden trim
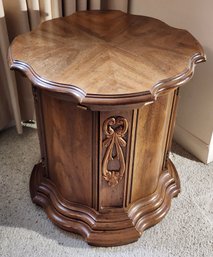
(115, 129)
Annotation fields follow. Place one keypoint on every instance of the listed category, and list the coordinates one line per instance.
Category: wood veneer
(105, 85)
(106, 57)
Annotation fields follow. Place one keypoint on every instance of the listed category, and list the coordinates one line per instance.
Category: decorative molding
(115, 129)
(86, 221)
(88, 99)
(77, 93)
(181, 78)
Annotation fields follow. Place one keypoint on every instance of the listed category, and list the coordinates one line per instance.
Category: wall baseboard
(210, 157)
(193, 144)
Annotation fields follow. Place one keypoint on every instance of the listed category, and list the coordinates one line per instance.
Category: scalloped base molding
(105, 229)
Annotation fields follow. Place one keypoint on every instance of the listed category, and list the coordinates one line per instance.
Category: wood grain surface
(69, 148)
(105, 90)
(106, 56)
(70, 182)
(151, 133)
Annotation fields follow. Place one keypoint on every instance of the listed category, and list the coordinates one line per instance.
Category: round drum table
(105, 85)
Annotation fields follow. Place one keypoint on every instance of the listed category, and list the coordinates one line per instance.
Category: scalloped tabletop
(106, 55)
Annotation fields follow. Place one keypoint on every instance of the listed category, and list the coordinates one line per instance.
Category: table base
(110, 228)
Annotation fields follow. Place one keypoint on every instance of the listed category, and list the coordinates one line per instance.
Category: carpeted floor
(25, 231)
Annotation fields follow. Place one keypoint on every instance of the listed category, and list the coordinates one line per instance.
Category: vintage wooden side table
(105, 85)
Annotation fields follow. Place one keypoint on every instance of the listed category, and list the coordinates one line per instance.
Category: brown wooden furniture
(105, 86)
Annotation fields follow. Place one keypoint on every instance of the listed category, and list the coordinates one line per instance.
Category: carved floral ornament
(114, 129)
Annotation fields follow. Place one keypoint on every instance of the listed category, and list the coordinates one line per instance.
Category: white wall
(194, 126)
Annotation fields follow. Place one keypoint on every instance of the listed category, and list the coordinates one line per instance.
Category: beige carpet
(187, 230)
